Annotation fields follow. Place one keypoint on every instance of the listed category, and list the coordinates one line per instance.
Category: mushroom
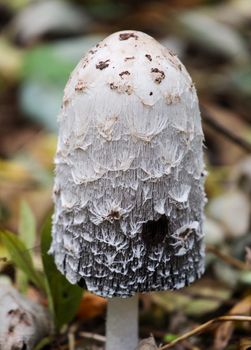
(129, 184)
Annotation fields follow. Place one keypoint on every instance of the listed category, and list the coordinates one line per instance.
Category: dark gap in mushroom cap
(81, 283)
(149, 57)
(151, 93)
(64, 265)
(154, 232)
(126, 36)
(102, 64)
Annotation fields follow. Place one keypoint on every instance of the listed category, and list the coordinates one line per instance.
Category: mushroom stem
(122, 323)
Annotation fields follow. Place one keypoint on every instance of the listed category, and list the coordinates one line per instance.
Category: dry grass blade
(225, 330)
(238, 264)
(71, 341)
(204, 327)
(93, 336)
(213, 123)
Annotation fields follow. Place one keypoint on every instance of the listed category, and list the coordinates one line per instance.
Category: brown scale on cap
(172, 99)
(160, 75)
(124, 73)
(129, 58)
(93, 51)
(126, 36)
(102, 64)
(114, 215)
(113, 86)
(149, 57)
(80, 86)
(122, 88)
(65, 103)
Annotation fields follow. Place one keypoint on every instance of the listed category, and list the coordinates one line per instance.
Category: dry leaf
(224, 331)
(147, 344)
(91, 306)
(248, 256)
(245, 344)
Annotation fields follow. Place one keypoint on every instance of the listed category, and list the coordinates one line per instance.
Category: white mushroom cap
(129, 193)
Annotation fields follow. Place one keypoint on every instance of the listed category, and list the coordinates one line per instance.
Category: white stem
(122, 324)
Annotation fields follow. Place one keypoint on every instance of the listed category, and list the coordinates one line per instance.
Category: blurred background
(41, 42)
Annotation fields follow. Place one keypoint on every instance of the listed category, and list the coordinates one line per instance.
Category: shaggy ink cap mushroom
(129, 186)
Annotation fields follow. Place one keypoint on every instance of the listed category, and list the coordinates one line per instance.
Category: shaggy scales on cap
(129, 187)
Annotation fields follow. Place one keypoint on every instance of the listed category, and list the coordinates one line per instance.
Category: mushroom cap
(129, 184)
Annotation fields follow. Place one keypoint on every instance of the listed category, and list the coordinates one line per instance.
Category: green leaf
(63, 297)
(52, 63)
(34, 93)
(56, 72)
(21, 257)
(27, 233)
(27, 225)
(43, 342)
(46, 69)
(169, 337)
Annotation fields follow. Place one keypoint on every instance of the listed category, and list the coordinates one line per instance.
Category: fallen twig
(238, 264)
(93, 336)
(213, 123)
(71, 341)
(204, 327)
